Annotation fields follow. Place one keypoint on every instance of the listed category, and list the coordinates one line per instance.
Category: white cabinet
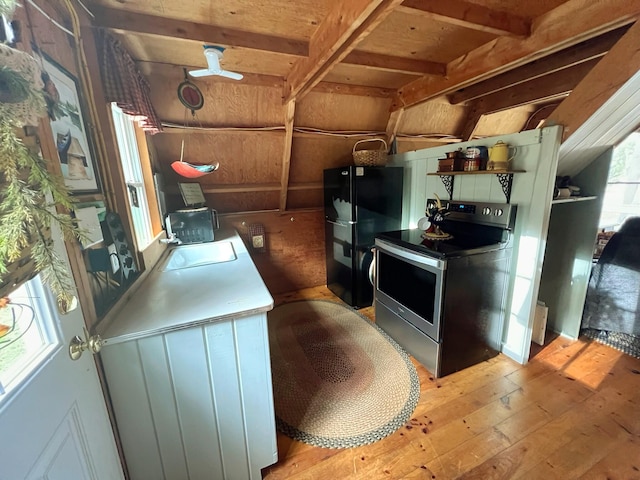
(189, 374)
(195, 403)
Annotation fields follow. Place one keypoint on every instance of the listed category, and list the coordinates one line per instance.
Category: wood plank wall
(251, 165)
(248, 179)
(38, 31)
(294, 256)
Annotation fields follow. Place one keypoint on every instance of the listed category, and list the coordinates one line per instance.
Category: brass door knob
(77, 345)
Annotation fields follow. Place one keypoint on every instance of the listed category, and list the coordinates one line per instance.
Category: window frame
(137, 174)
(48, 324)
(613, 182)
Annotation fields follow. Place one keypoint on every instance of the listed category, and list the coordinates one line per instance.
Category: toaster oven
(195, 225)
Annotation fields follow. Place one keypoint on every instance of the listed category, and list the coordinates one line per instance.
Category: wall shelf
(504, 177)
(572, 199)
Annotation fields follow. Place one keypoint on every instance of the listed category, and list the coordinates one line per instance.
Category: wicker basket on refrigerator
(370, 158)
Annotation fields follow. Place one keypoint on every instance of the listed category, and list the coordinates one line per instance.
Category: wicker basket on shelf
(370, 158)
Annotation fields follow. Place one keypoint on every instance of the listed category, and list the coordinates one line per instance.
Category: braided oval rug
(338, 380)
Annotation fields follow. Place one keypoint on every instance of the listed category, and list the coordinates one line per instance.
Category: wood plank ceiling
(321, 74)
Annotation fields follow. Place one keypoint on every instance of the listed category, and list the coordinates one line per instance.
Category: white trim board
(611, 123)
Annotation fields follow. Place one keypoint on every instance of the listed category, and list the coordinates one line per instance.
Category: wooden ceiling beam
(335, 38)
(122, 21)
(473, 116)
(391, 63)
(289, 114)
(583, 52)
(470, 15)
(148, 67)
(570, 23)
(170, 70)
(542, 89)
(616, 68)
(358, 90)
(393, 123)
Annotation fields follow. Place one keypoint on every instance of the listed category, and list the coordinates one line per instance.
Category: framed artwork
(73, 143)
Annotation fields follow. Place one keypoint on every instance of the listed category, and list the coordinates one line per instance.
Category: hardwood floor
(572, 412)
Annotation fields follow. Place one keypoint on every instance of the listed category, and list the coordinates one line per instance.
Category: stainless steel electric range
(444, 300)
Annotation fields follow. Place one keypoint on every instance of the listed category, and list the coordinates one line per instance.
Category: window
(133, 175)
(27, 334)
(622, 195)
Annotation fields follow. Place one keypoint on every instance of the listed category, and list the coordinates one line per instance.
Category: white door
(53, 420)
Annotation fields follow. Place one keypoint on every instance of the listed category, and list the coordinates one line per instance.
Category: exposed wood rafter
(172, 71)
(393, 124)
(336, 37)
(289, 114)
(359, 90)
(541, 89)
(538, 90)
(613, 71)
(394, 64)
(123, 21)
(471, 15)
(274, 81)
(473, 117)
(589, 50)
(568, 24)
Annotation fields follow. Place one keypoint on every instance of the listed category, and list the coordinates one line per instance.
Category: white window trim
(133, 176)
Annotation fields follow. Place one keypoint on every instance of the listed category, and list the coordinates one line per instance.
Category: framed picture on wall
(70, 133)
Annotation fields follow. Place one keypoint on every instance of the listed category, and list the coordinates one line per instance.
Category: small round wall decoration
(190, 95)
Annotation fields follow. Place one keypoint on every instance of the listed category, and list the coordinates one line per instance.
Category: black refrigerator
(358, 203)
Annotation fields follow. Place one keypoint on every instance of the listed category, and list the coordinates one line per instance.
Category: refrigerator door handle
(342, 224)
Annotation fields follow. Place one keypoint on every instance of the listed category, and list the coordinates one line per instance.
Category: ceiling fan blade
(232, 75)
(213, 54)
(201, 73)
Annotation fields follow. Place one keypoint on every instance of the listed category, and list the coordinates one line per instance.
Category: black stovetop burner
(458, 245)
(475, 227)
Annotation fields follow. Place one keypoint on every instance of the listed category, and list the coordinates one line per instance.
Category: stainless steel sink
(187, 256)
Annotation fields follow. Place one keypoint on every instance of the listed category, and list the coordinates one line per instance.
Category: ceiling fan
(213, 54)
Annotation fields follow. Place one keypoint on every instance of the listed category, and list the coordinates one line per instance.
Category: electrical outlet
(113, 256)
(257, 241)
(257, 235)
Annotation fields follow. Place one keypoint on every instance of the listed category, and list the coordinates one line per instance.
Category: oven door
(411, 286)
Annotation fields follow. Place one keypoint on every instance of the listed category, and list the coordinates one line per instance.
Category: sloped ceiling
(428, 71)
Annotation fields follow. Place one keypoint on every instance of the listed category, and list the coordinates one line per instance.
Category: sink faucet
(171, 239)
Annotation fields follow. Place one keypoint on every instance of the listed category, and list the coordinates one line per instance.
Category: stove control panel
(493, 214)
(462, 207)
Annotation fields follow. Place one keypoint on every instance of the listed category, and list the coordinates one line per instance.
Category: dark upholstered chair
(612, 305)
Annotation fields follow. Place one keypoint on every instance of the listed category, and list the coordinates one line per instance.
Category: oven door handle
(417, 258)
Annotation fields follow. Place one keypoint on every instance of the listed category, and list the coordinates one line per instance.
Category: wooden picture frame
(70, 132)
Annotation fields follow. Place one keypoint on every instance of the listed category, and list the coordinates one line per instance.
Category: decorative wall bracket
(447, 180)
(505, 179)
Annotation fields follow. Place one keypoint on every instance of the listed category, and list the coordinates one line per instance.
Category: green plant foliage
(13, 86)
(7, 7)
(28, 197)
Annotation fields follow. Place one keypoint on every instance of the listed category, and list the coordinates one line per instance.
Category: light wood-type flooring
(572, 412)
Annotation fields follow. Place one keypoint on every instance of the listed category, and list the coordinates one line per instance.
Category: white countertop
(187, 297)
